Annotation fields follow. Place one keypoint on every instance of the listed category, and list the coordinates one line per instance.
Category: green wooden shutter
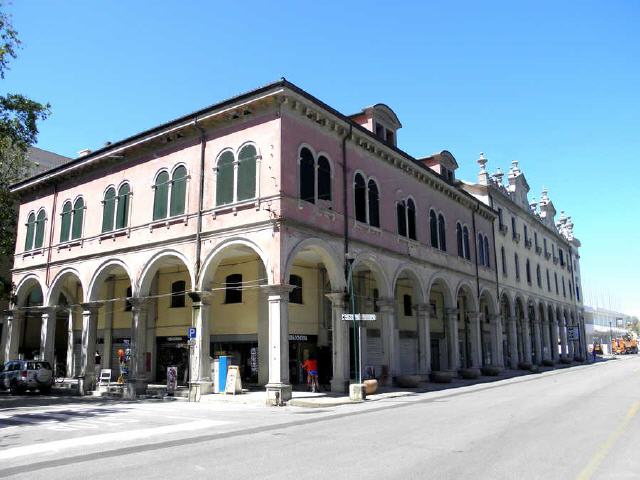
(108, 206)
(31, 227)
(161, 196)
(247, 173)
(78, 215)
(122, 212)
(178, 191)
(40, 229)
(224, 179)
(65, 223)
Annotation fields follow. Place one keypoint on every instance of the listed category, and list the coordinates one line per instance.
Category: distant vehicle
(21, 375)
(625, 345)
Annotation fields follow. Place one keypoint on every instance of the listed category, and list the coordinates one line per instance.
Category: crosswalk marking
(67, 421)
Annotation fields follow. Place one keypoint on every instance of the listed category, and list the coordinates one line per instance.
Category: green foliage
(19, 116)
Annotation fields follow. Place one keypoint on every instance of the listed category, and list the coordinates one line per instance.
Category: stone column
(48, 335)
(475, 320)
(4, 338)
(513, 343)
(137, 381)
(87, 379)
(546, 339)
(424, 339)
(451, 327)
(555, 329)
(340, 343)
(570, 343)
(278, 388)
(537, 340)
(390, 336)
(563, 338)
(263, 337)
(497, 357)
(200, 364)
(70, 340)
(11, 332)
(526, 339)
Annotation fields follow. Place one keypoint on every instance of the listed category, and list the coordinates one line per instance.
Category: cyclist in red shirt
(311, 366)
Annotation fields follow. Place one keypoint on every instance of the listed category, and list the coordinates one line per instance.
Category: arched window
(487, 257)
(65, 222)
(161, 195)
(307, 176)
(224, 179)
(324, 179)
(40, 220)
(555, 276)
(178, 294)
(528, 270)
(442, 235)
(122, 210)
(401, 215)
(108, 209)
(31, 230)
(459, 240)
(374, 207)
(78, 217)
(295, 295)
(433, 225)
(539, 276)
(360, 194)
(548, 281)
(503, 257)
(247, 173)
(411, 219)
(517, 265)
(233, 290)
(481, 255)
(178, 191)
(465, 237)
(564, 290)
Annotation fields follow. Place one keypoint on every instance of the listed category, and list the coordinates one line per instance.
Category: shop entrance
(172, 351)
(302, 347)
(243, 354)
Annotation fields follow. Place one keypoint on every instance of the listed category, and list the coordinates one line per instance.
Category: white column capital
(200, 298)
(337, 299)
(91, 307)
(278, 290)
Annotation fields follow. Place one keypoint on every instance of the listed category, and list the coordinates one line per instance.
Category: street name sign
(359, 317)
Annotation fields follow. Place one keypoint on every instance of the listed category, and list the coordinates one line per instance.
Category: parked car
(21, 375)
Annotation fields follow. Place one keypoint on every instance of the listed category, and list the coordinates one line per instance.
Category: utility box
(220, 367)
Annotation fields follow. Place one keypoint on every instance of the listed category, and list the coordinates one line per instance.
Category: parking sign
(192, 333)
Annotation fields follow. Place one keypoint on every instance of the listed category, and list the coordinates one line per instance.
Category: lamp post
(356, 336)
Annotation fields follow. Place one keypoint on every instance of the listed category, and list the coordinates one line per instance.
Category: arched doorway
(468, 329)
(29, 325)
(408, 295)
(510, 335)
(490, 332)
(443, 356)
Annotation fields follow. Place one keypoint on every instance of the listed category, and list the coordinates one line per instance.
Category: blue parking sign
(192, 333)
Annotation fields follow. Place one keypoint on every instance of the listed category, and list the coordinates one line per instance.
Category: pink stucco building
(251, 220)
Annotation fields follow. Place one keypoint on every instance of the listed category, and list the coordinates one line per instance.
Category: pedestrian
(311, 366)
(594, 351)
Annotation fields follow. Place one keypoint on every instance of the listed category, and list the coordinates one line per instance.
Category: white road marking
(116, 437)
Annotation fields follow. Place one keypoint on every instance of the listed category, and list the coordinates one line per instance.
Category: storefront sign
(298, 338)
(359, 317)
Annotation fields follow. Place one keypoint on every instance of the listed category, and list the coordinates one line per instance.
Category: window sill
(167, 222)
(33, 253)
(233, 207)
(112, 235)
(70, 244)
(365, 226)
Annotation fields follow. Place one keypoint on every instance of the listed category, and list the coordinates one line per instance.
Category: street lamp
(356, 336)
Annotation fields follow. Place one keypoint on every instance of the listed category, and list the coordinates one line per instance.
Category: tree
(18, 131)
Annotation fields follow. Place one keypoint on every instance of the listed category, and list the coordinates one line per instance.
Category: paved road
(576, 423)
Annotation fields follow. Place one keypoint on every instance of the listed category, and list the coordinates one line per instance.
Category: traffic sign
(359, 317)
(192, 333)
(573, 334)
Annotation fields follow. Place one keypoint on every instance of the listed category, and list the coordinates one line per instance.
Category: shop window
(224, 179)
(178, 294)
(374, 207)
(307, 176)
(360, 193)
(233, 288)
(108, 209)
(324, 179)
(246, 188)
(295, 295)
(408, 305)
(40, 221)
(65, 222)
(127, 303)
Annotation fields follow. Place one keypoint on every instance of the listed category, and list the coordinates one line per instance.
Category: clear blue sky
(555, 85)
